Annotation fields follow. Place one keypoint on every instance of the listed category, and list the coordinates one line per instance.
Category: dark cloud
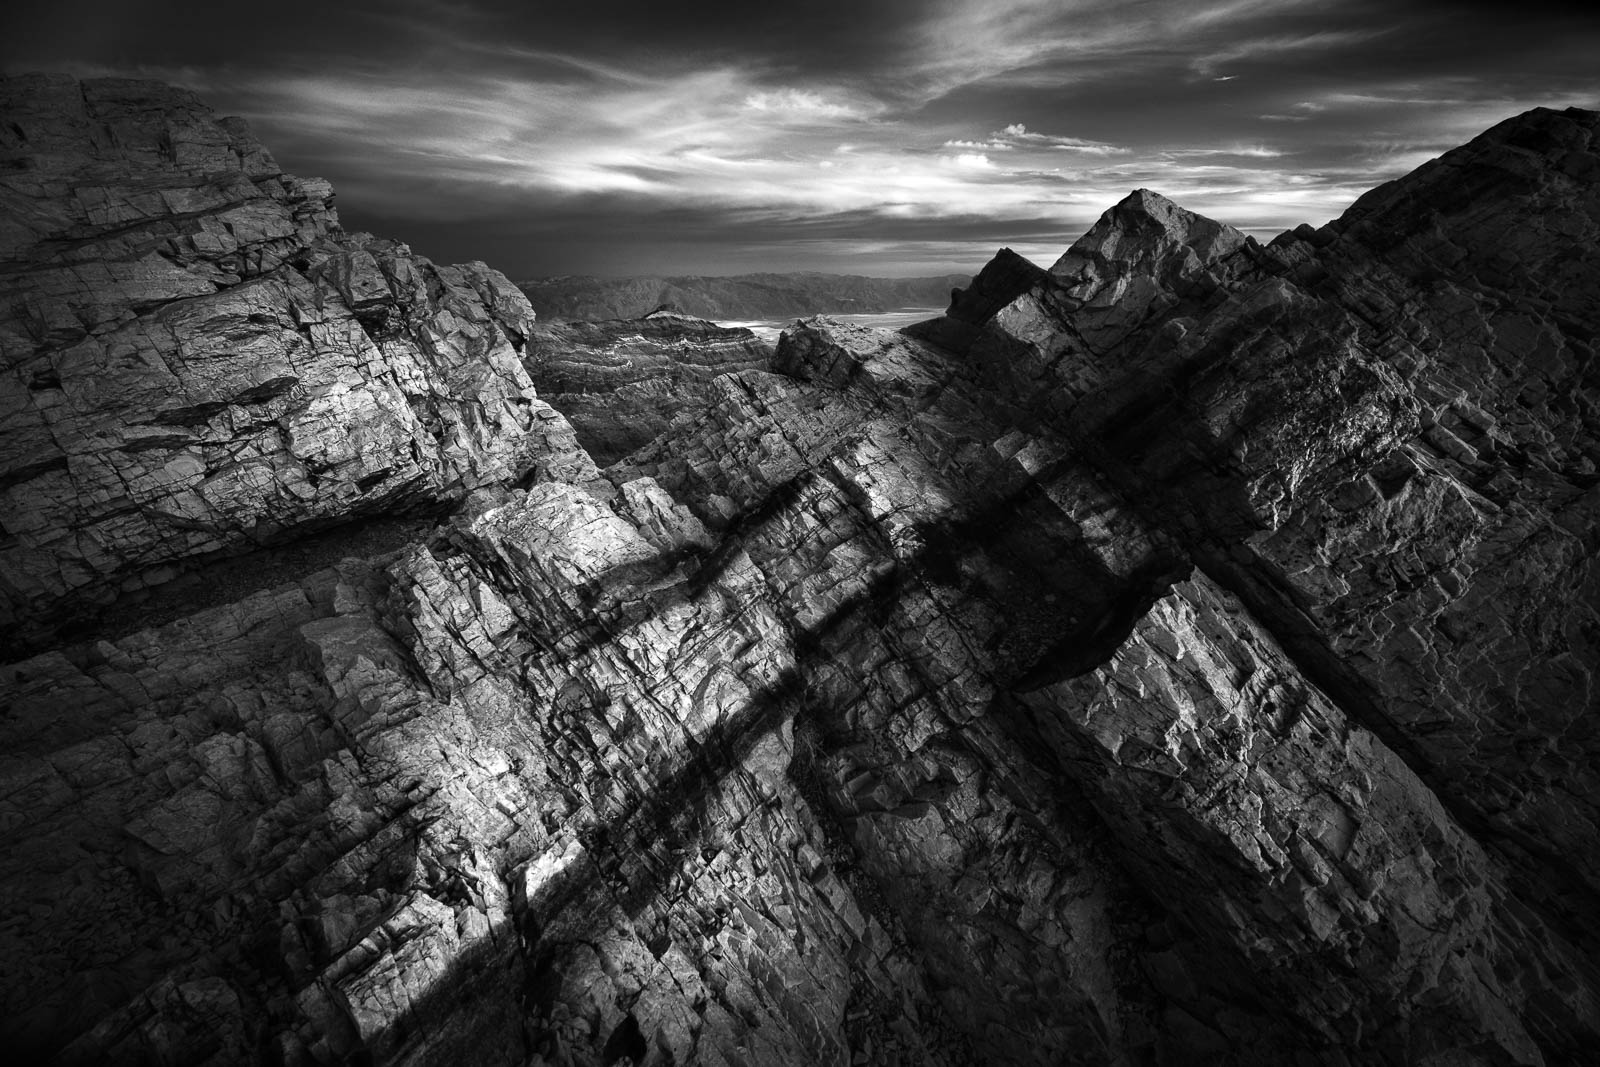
(620, 136)
(820, 36)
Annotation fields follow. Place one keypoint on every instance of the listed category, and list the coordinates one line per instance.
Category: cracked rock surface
(1180, 655)
(198, 360)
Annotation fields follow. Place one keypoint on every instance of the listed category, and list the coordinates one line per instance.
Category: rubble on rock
(1181, 655)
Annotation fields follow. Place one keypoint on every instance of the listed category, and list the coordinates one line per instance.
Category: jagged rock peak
(1466, 213)
(1003, 279)
(1146, 234)
(1519, 157)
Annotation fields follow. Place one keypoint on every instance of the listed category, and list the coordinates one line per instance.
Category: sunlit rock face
(199, 360)
(1180, 655)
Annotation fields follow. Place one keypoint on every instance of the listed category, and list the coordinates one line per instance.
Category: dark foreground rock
(1182, 655)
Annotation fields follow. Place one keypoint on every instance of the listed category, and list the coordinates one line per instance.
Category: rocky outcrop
(620, 383)
(199, 361)
(1176, 656)
(1005, 277)
(1410, 498)
(740, 296)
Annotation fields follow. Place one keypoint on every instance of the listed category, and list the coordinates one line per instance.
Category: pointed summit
(1005, 277)
(1146, 234)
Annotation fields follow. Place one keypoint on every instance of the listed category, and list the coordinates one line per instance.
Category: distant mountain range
(742, 296)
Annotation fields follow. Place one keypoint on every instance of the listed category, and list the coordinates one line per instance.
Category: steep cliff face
(199, 361)
(621, 382)
(1180, 655)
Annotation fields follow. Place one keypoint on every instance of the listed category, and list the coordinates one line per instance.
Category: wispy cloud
(1302, 111)
(1044, 42)
(812, 106)
(818, 133)
(1208, 64)
(1019, 134)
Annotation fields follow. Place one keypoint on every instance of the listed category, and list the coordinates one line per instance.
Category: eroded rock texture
(199, 360)
(620, 382)
(1182, 655)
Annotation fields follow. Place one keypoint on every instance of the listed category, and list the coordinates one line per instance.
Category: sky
(886, 137)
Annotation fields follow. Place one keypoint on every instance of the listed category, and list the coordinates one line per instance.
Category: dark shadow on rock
(183, 587)
(1012, 534)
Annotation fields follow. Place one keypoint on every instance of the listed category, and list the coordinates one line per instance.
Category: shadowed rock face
(1181, 655)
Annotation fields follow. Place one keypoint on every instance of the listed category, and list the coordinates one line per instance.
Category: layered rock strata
(199, 361)
(621, 382)
(739, 296)
(1178, 656)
